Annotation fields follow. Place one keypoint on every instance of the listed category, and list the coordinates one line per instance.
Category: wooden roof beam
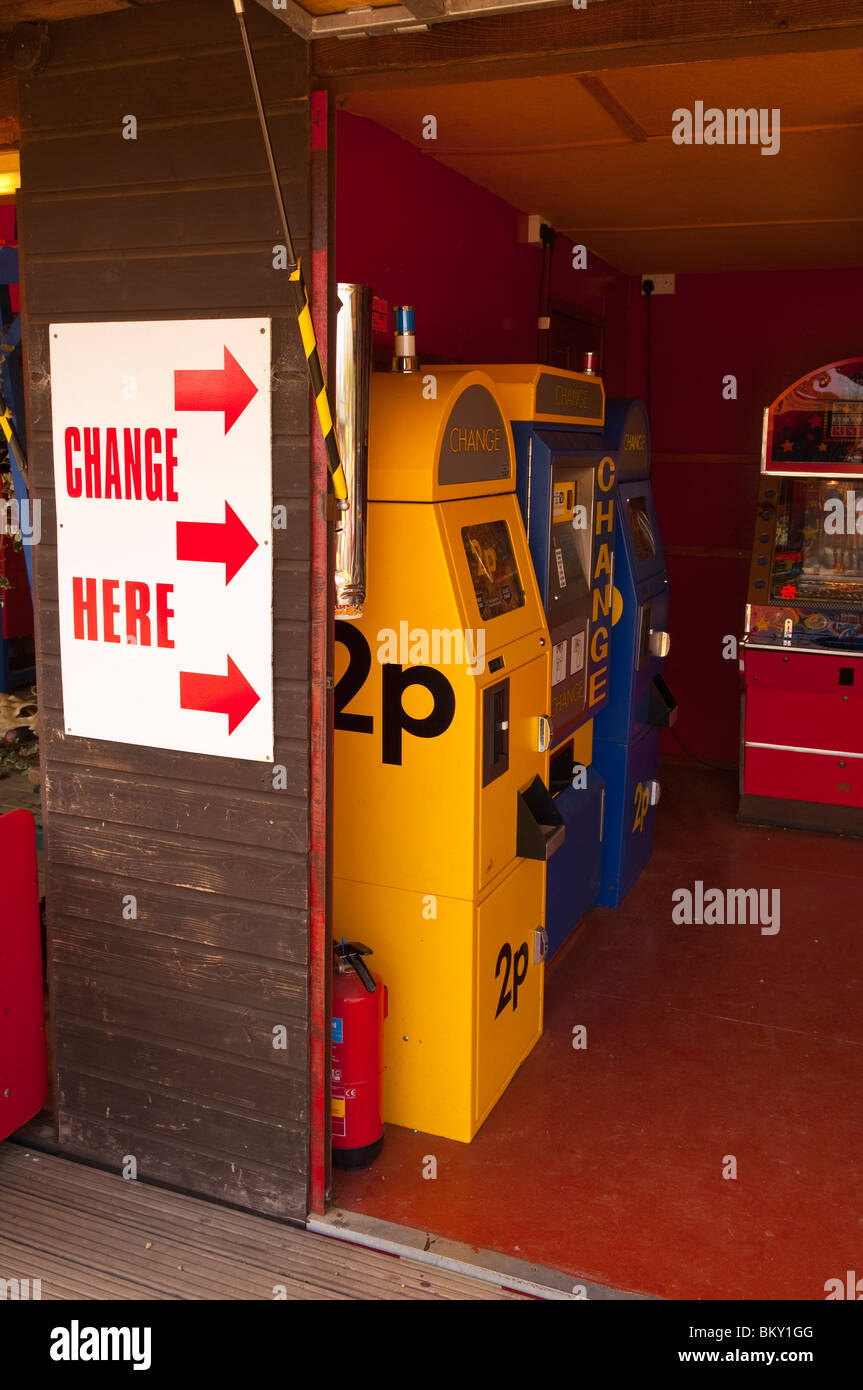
(607, 34)
(411, 16)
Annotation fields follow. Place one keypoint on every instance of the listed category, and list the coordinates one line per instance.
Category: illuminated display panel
(818, 552)
(816, 426)
(570, 549)
(493, 568)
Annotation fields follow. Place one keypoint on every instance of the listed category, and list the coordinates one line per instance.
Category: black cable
(549, 237)
(717, 767)
(648, 287)
(539, 307)
(552, 238)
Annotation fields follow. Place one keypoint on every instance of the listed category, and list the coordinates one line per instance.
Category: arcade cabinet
(442, 817)
(626, 732)
(802, 653)
(566, 493)
(17, 661)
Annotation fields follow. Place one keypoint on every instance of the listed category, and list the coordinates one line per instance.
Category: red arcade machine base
(802, 656)
(23, 1058)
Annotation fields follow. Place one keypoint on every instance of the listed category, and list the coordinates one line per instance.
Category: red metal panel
(805, 719)
(803, 776)
(813, 671)
(23, 1059)
(16, 615)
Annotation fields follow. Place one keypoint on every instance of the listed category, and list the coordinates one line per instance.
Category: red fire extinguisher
(359, 1010)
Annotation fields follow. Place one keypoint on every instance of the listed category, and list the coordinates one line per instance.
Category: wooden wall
(162, 1027)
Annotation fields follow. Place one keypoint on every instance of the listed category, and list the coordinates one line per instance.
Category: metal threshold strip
(503, 1271)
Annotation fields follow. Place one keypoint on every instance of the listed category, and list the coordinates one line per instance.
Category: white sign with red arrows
(163, 484)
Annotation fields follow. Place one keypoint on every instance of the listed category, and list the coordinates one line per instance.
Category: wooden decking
(88, 1234)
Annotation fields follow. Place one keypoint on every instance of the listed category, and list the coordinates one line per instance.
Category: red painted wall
(421, 234)
(766, 329)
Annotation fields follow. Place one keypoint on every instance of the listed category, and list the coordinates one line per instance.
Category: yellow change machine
(443, 821)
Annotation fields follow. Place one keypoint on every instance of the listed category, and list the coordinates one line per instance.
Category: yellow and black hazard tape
(8, 428)
(310, 347)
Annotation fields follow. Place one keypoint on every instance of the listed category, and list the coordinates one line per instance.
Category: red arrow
(231, 694)
(226, 388)
(227, 542)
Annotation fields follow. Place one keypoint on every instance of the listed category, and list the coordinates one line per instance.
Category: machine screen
(818, 555)
(642, 531)
(493, 568)
(569, 557)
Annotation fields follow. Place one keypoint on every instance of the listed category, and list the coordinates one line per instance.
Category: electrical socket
(662, 284)
(529, 228)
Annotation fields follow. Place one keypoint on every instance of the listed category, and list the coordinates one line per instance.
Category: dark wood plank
(241, 1032)
(141, 34)
(227, 212)
(265, 1089)
(166, 86)
(126, 952)
(186, 768)
(207, 149)
(47, 515)
(183, 916)
(182, 1118)
(291, 540)
(124, 285)
(141, 857)
(280, 822)
(272, 1191)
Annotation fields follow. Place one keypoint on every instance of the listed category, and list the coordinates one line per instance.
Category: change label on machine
(162, 465)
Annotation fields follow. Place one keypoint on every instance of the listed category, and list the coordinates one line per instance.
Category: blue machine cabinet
(626, 731)
(560, 469)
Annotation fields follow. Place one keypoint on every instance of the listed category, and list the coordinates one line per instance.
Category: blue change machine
(565, 484)
(627, 730)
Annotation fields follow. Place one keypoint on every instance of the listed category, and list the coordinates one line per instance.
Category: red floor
(703, 1041)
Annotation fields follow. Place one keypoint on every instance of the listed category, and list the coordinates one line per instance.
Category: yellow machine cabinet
(442, 818)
